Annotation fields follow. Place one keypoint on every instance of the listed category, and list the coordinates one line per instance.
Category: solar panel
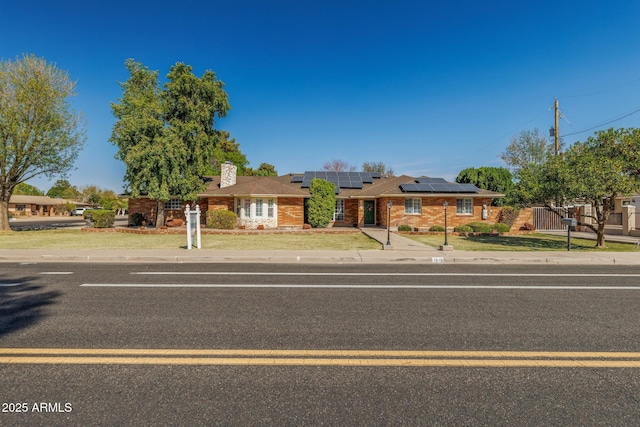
(376, 175)
(339, 179)
(429, 180)
(409, 188)
(295, 179)
(438, 187)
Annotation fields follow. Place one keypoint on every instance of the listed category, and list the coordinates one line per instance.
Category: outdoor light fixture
(389, 204)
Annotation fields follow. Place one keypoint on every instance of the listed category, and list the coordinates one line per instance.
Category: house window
(247, 208)
(464, 206)
(270, 208)
(173, 204)
(413, 206)
(338, 213)
(258, 207)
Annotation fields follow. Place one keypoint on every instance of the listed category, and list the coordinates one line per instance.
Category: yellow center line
(266, 357)
(248, 361)
(319, 353)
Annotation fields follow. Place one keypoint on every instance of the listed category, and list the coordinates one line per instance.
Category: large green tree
(593, 172)
(526, 148)
(64, 190)
(265, 169)
(228, 150)
(377, 167)
(27, 189)
(40, 134)
(488, 178)
(166, 137)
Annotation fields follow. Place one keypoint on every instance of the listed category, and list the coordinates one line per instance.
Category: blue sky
(429, 88)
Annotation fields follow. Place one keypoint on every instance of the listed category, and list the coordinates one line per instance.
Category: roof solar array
(339, 179)
(438, 187)
(296, 179)
(429, 180)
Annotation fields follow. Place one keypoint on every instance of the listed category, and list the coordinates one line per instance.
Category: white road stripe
(9, 285)
(339, 286)
(56, 272)
(238, 273)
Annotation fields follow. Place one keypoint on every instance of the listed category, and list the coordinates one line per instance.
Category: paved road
(257, 344)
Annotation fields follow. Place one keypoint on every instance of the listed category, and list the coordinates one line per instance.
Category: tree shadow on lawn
(22, 303)
(531, 243)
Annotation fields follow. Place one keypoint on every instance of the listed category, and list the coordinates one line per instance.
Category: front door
(369, 212)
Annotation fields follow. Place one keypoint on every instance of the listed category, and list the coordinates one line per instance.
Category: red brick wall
(216, 203)
(350, 214)
(147, 207)
(290, 212)
(433, 213)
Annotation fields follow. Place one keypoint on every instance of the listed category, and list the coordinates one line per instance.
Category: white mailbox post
(193, 226)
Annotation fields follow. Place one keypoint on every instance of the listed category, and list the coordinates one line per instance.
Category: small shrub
(528, 227)
(463, 229)
(502, 228)
(481, 227)
(100, 218)
(436, 228)
(405, 227)
(222, 219)
(10, 215)
(136, 219)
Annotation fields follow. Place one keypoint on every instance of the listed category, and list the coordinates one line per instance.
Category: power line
(604, 123)
(601, 91)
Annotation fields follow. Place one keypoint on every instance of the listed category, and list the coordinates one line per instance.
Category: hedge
(221, 219)
(100, 218)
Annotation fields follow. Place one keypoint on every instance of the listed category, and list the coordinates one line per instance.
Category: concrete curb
(319, 257)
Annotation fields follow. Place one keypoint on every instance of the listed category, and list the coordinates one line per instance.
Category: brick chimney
(228, 174)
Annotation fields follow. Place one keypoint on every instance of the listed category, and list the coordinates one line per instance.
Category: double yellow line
(462, 359)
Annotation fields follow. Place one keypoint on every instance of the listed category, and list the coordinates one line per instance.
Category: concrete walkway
(397, 241)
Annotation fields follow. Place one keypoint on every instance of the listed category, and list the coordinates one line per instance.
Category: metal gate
(549, 219)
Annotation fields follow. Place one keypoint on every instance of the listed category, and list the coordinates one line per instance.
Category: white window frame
(270, 208)
(259, 208)
(464, 206)
(338, 212)
(413, 206)
(246, 206)
(173, 204)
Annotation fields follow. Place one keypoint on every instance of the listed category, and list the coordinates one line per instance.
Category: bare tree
(337, 165)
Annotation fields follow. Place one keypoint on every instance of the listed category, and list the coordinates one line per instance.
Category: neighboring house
(23, 205)
(361, 200)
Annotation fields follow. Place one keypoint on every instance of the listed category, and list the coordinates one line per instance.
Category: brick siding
(290, 212)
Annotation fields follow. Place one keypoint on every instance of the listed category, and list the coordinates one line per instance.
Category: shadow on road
(22, 303)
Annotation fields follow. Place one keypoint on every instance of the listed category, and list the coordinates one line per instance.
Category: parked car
(78, 211)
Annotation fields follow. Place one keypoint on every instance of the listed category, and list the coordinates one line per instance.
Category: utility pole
(556, 131)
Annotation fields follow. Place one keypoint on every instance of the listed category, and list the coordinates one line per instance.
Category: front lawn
(520, 243)
(76, 239)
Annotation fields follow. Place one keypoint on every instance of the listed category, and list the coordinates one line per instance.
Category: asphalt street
(279, 344)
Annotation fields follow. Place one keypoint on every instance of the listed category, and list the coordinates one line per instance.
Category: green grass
(76, 239)
(520, 243)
